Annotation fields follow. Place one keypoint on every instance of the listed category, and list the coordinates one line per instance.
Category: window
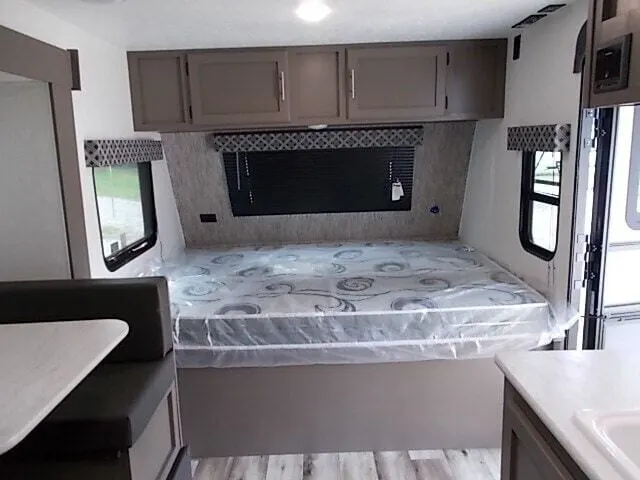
(540, 202)
(629, 129)
(320, 181)
(126, 212)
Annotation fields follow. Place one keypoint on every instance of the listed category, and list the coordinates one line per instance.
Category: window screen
(126, 212)
(540, 202)
(320, 181)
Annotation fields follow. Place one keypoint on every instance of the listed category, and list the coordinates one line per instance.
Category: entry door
(613, 298)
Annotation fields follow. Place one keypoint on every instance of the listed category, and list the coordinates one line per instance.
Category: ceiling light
(313, 10)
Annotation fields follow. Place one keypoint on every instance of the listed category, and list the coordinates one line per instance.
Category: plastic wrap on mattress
(351, 303)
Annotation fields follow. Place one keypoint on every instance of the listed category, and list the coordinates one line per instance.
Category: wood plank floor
(413, 465)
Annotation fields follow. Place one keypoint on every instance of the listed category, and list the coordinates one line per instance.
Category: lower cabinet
(529, 449)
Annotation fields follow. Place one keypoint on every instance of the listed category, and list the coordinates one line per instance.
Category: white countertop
(557, 384)
(41, 363)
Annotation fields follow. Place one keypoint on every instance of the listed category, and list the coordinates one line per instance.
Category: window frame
(527, 196)
(134, 250)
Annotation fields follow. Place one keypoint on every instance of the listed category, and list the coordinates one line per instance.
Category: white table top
(41, 363)
(557, 384)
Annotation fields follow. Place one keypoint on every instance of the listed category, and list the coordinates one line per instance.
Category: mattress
(349, 303)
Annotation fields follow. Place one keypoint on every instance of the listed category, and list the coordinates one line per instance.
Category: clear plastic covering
(350, 303)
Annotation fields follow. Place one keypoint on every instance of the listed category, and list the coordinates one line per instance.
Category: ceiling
(159, 24)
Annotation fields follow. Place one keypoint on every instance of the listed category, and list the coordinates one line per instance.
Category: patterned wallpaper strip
(317, 140)
(106, 153)
(540, 138)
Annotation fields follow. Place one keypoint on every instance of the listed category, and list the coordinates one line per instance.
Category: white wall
(541, 89)
(102, 110)
(32, 225)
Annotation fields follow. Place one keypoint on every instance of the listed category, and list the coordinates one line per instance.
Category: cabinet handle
(353, 84)
(283, 94)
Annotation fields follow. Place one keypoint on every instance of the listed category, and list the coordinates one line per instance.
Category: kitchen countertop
(558, 384)
(41, 363)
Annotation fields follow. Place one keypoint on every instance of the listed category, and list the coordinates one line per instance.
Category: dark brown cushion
(141, 302)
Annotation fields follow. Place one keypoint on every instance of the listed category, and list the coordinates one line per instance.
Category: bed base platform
(425, 405)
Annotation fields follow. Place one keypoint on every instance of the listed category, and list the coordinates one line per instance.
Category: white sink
(616, 435)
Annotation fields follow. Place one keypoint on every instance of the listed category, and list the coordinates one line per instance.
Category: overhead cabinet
(476, 74)
(305, 86)
(403, 83)
(317, 85)
(239, 88)
(159, 91)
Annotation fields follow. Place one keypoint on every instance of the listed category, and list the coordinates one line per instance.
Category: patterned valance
(540, 138)
(105, 153)
(317, 140)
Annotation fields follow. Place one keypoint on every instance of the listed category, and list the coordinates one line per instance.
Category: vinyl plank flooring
(432, 469)
(394, 465)
(285, 467)
(357, 466)
(479, 464)
(249, 468)
(321, 467)
(467, 465)
(492, 460)
(426, 454)
(213, 469)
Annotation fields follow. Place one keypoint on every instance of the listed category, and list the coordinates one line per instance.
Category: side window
(540, 202)
(126, 212)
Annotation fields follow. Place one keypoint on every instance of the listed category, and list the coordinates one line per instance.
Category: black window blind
(319, 181)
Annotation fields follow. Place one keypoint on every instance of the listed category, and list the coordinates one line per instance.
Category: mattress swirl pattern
(349, 303)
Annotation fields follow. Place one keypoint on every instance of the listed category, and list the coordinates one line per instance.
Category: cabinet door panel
(239, 88)
(404, 83)
(158, 90)
(530, 452)
(317, 85)
(476, 79)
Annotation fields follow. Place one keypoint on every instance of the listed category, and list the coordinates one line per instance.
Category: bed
(346, 347)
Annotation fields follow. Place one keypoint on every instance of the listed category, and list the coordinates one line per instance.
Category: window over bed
(320, 181)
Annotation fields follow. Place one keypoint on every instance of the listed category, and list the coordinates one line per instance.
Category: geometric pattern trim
(540, 138)
(317, 140)
(106, 153)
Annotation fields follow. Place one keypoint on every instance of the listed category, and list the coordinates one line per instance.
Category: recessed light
(313, 11)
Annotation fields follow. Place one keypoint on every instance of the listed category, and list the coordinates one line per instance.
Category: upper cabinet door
(239, 88)
(318, 85)
(158, 90)
(399, 83)
(476, 79)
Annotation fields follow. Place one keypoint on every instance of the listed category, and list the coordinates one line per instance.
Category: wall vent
(530, 20)
(554, 7)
